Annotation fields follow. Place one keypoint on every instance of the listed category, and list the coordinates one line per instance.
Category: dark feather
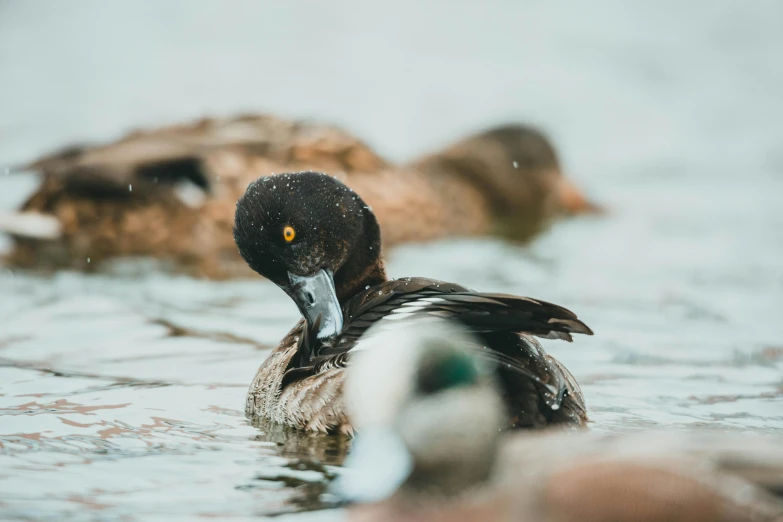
(482, 313)
(536, 387)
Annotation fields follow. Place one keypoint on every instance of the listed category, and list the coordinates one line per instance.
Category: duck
(168, 194)
(429, 411)
(320, 242)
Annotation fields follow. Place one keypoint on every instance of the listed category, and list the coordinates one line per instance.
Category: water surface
(122, 394)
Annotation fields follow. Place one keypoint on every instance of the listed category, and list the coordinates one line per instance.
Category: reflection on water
(122, 396)
(126, 396)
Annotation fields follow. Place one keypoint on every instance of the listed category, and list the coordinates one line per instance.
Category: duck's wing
(202, 153)
(481, 313)
(141, 163)
(359, 314)
(485, 312)
(538, 390)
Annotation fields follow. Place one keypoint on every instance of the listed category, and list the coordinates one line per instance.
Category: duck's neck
(364, 266)
(349, 281)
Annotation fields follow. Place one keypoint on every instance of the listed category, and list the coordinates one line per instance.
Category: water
(122, 395)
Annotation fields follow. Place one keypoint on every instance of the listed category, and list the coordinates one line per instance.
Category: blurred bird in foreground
(170, 193)
(429, 448)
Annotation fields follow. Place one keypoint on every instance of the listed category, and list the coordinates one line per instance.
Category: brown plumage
(685, 477)
(169, 193)
(312, 404)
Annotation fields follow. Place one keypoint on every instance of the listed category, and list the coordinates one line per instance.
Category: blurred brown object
(170, 193)
(430, 447)
(581, 477)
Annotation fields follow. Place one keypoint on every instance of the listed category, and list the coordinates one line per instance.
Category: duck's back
(170, 193)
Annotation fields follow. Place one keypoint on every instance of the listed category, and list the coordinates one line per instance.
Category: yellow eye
(289, 234)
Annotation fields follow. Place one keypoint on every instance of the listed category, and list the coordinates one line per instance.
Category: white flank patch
(432, 299)
(33, 225)
(190, 194)
(406, 310)
(396, 315)
(409, 307)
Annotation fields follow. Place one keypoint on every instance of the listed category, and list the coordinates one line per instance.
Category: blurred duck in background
(321, 244)
(170, 193)
(428, 413)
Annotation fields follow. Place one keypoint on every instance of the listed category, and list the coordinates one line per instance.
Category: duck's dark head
(313, 237)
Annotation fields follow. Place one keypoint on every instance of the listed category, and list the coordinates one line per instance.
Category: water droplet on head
(130, 188)
(516, 165)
